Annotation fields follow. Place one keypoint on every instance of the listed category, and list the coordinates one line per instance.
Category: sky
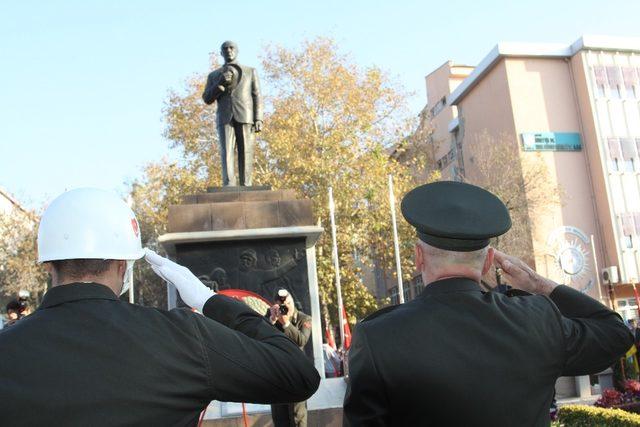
(83, 83)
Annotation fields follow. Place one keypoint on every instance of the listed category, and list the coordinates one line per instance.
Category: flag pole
(336, 265)
(131, 295)
(595, 266)
(396, 245)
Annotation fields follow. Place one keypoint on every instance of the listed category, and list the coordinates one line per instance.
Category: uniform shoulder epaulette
(380, 312)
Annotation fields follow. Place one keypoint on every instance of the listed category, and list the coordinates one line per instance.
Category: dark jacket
(455, 356)
(243, 103)
(86, 358)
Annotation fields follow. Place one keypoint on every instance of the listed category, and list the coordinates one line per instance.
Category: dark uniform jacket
(85, 358)
(455, 356)
(243, 103)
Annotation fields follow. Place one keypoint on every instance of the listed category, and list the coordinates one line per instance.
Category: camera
(282, 297)
(23, 301)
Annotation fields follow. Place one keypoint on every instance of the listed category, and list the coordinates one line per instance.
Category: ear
(48, 267)
(419, 254)
(488, 261)
(121, 265)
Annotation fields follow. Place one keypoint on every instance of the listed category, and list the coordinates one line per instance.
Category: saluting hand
(520, 276)
(192, 291)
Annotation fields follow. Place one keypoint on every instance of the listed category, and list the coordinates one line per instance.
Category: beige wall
(486, 117)
(487, 108)
(543, 100)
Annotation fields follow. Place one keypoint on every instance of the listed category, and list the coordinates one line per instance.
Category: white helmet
(89, 223)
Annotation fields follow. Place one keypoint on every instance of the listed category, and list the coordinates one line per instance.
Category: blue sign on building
(551, 141)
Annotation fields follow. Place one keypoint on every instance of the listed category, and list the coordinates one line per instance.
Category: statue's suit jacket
(244, 103)
(455, 356)
(85, 358)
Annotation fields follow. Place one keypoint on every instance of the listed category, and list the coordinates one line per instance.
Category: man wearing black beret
(459, 356)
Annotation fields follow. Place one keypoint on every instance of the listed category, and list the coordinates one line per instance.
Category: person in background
(17, 309)
(457, 356)
(297, 326)
(332, 360)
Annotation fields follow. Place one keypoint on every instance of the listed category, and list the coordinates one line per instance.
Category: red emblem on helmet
(134, 225)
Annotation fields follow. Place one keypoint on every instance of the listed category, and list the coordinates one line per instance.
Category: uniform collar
(454, 284)
(75, 292)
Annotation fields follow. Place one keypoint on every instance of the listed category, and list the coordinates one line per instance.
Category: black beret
(455, 216)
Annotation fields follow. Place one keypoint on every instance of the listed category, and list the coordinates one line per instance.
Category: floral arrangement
(611, 397)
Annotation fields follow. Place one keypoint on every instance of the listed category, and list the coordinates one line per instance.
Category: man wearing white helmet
(86, 358)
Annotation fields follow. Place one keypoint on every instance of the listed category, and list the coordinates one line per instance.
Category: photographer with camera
(18, 308)
(296, 325)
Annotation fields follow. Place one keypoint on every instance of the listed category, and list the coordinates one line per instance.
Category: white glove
(192, 291)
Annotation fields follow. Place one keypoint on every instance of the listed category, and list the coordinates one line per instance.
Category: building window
(628, 151)
(614, 78)
(439, 106)
(601, 80)
(406, 290)
(628, 308)
(630, 78)
(393, 295)
(628, 229)
(419, 287)
(446, 160)
(615, 155)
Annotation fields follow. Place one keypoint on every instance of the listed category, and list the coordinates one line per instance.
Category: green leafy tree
(19, 269)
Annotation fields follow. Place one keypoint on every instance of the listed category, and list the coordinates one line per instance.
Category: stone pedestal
(253, 239)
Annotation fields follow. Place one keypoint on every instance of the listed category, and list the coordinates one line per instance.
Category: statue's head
(273, 257)
(248, 260)
(219, 277)
(229, 51)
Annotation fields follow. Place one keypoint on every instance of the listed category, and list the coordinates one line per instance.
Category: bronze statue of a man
(239, 117)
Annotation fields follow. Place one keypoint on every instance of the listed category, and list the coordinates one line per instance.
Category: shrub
(610, 397)
(587, 416)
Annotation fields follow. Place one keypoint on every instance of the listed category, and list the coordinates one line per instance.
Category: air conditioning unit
(610, 275)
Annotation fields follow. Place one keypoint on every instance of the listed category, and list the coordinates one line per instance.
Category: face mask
(128, 277)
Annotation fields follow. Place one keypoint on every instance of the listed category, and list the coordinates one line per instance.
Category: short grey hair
(441, 257)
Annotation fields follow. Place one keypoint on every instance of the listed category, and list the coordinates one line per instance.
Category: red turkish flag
(347, 330)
